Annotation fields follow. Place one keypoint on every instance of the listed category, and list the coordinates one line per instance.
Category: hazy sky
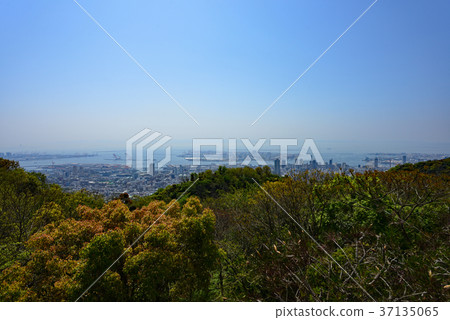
(65, 84)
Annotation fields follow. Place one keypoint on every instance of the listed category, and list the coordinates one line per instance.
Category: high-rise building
(375, 163)
(151, 168)
(404, 159)
(276, 164)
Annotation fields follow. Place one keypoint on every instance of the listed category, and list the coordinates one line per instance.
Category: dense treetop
(438, 167)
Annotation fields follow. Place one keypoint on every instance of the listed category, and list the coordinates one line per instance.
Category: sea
(352, 154)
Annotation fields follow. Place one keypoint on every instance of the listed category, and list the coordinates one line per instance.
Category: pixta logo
(253, 150)
(141, 149)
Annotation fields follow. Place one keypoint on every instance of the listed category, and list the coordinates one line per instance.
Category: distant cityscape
(113, 178)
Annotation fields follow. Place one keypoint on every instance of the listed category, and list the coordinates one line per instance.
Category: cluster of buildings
(385, 161)
(282, 169)
(111, 180)
(376, 161)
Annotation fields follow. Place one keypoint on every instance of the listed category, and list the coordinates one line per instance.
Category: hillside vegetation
(437, 167)
(312, 236)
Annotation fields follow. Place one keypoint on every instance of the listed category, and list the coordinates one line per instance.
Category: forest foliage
(308, 236)
(437, 167)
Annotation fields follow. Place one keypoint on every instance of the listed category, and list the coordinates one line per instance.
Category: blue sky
(64, 84)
